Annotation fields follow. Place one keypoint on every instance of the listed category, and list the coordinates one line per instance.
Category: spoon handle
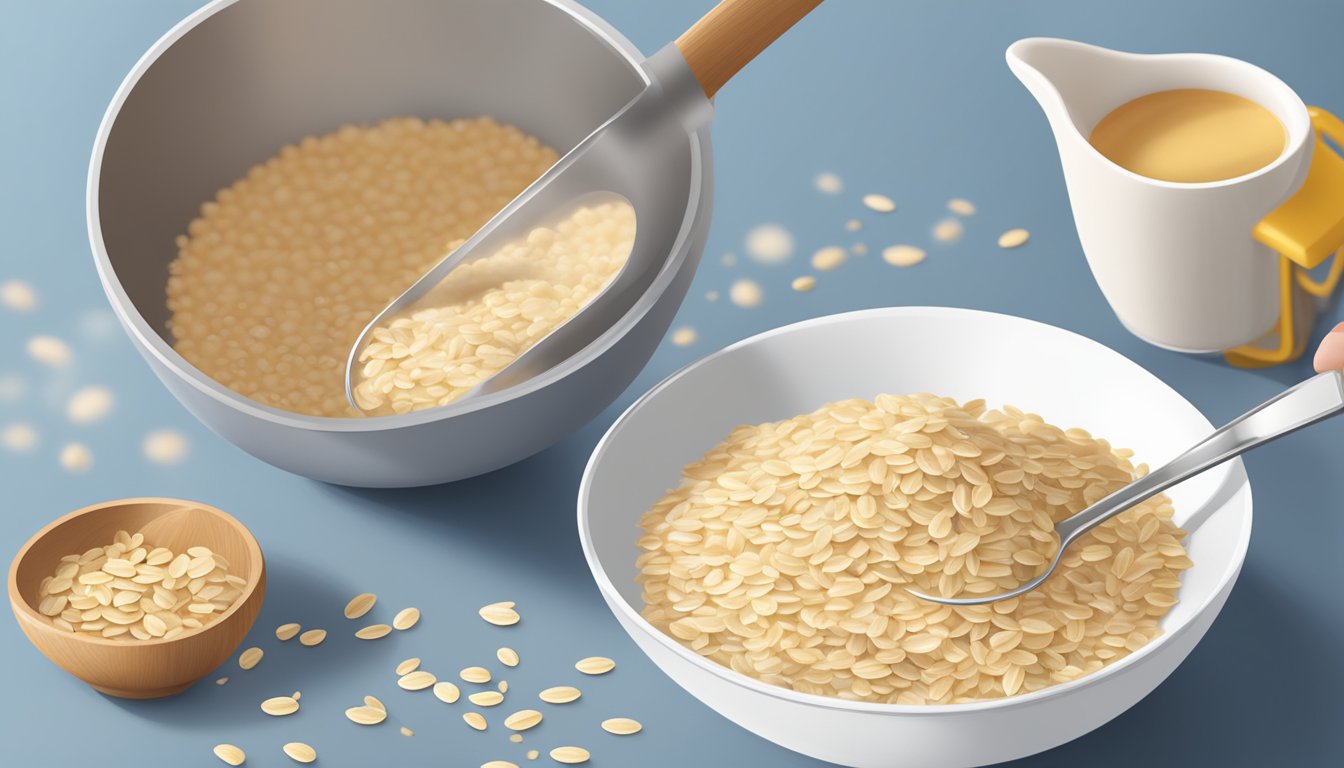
(733, 33)
(1317, 398)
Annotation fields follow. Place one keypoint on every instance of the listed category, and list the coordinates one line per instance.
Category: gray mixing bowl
(238, 79)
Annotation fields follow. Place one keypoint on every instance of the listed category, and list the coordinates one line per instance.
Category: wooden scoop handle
(733, 33)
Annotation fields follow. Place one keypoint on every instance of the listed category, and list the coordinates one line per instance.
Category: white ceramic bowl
(1068, 379)
(237, 80)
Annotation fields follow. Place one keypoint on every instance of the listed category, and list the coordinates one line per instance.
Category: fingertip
(1330, 354)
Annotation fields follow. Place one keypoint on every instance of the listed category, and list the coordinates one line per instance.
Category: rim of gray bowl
(698, 206)
(1236, 476)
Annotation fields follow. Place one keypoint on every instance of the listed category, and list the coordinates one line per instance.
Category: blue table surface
(910, 98)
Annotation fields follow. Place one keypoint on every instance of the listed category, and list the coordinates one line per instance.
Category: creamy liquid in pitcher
(1190, 135)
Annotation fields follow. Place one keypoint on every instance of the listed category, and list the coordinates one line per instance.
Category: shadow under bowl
(135, 669)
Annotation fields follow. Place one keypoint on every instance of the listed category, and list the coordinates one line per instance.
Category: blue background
(910, 98)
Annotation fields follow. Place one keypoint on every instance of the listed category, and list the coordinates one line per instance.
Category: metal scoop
(1317, 398)
(626, 157)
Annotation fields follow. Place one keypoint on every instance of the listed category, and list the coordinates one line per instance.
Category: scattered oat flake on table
(222, 680)
(165, 446)
(961, 206)
(858, 249)
(366, 715)
(486, 698)
(373, 632)
(570, 755)
(684, 336)
(408, 666)
(507, 656)
(829, 184)
(406, 731)
(769, 244)
(879, 203)
(500, 614)
(50, 350)
(249, 658)
(853, 225)
(804, 284)
(76, 457)
(18, 296)
(621, 726)
(297, 695)
(479, 675)
(286, 631)
(279, 706)
(828, 258)
(475, 720)
(446, 692)
(503, 686)
(522, 720)
(903, 255)
(499, 764)
(313, 637)
(406, 618)
(19, 438)
(516, 738)
(746, 293)
(229, 754)
(947, 231)
(417, 680)
(1013, 238)
(595, 665)
(300, 752)
(375, 702)
(360, 605)
(533, 754)
(560, 694)
(88, 405)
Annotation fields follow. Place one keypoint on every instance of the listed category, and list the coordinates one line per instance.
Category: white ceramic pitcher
(1177, 261)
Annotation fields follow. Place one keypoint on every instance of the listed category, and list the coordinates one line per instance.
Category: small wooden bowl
(150, 668)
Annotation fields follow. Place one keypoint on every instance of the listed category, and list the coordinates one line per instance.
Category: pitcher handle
(1332, 128)
(1309, 226)
(1306, 230)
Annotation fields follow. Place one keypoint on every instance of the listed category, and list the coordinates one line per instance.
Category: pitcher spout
(1072, 81)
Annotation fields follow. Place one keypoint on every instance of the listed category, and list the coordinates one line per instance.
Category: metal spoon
(1317, 398)
(626, 157)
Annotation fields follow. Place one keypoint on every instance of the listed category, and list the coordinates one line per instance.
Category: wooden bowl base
(152, 693)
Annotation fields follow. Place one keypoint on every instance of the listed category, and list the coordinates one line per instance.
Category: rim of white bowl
(613, 595)
(150, 342)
